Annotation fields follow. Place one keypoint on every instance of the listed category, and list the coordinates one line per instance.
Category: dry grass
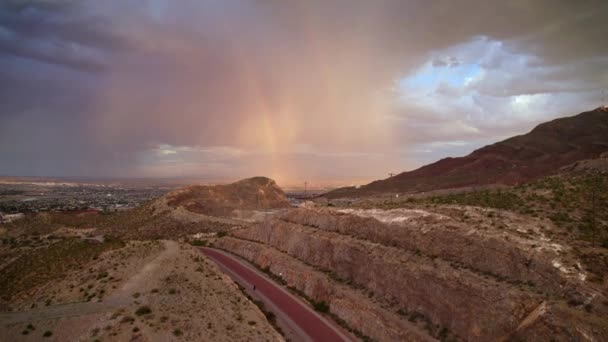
(50, 263)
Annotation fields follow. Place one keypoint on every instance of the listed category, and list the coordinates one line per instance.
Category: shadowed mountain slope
(519, 159)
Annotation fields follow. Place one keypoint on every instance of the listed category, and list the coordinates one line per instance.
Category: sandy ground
(186, 297)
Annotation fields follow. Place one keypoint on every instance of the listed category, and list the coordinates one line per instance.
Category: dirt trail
(121, 297)
(145, 276)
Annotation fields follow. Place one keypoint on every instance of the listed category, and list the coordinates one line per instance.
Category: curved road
(308, 321)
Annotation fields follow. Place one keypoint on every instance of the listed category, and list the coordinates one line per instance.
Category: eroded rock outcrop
(353, 306)
(417, 283)
(258, 193)
(529, 262)
(468, 284)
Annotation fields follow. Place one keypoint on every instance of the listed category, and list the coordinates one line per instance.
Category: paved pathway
(310, 323)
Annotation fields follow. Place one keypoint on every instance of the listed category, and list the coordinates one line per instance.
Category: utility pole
(390, 174)
(305, 194)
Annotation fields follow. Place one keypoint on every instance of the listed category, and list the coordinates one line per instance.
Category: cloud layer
(293, 90)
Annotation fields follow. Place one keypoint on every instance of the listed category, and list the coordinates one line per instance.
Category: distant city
(32, 195)
(39, 196)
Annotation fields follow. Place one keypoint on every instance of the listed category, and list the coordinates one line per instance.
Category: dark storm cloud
(124, 87)
(55, 32)
(46, 5)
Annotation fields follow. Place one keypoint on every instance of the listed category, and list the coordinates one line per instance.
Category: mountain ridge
(518, 159)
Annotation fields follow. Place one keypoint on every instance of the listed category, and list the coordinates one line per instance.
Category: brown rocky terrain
(519, 159)
(143, 291)
(412, 274)
(258, 193)
(69, 277)
(492, 264)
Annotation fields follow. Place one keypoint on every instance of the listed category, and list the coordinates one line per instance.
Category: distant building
(5, 218)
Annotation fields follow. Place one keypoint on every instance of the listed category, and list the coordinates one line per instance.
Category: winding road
(307, 324)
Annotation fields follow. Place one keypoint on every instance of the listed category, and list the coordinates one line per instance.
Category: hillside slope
(516, 160)
(257, 193)
(450, 273)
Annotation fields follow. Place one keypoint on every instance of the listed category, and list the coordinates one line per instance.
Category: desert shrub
(201, 243)
(270, 316)
(321, 306)
(127, 319)
(143, 310)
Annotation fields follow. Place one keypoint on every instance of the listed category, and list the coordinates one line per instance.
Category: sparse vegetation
(578, 203)
(499, 199)
(50, 263)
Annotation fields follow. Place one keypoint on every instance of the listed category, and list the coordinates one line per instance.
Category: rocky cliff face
(439, 236)
(423, 268)
(352, 305)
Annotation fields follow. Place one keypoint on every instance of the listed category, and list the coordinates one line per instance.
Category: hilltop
(257, 193)
(200, 209)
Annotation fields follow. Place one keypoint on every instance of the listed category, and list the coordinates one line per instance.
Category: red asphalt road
(308, 321)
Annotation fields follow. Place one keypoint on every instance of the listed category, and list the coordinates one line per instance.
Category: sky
(340, 91)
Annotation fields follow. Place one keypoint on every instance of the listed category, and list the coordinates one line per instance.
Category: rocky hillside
(516, 160)
(418, 275)
(198, 209)
(184, 212)
(258, 193)
(68, 289)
